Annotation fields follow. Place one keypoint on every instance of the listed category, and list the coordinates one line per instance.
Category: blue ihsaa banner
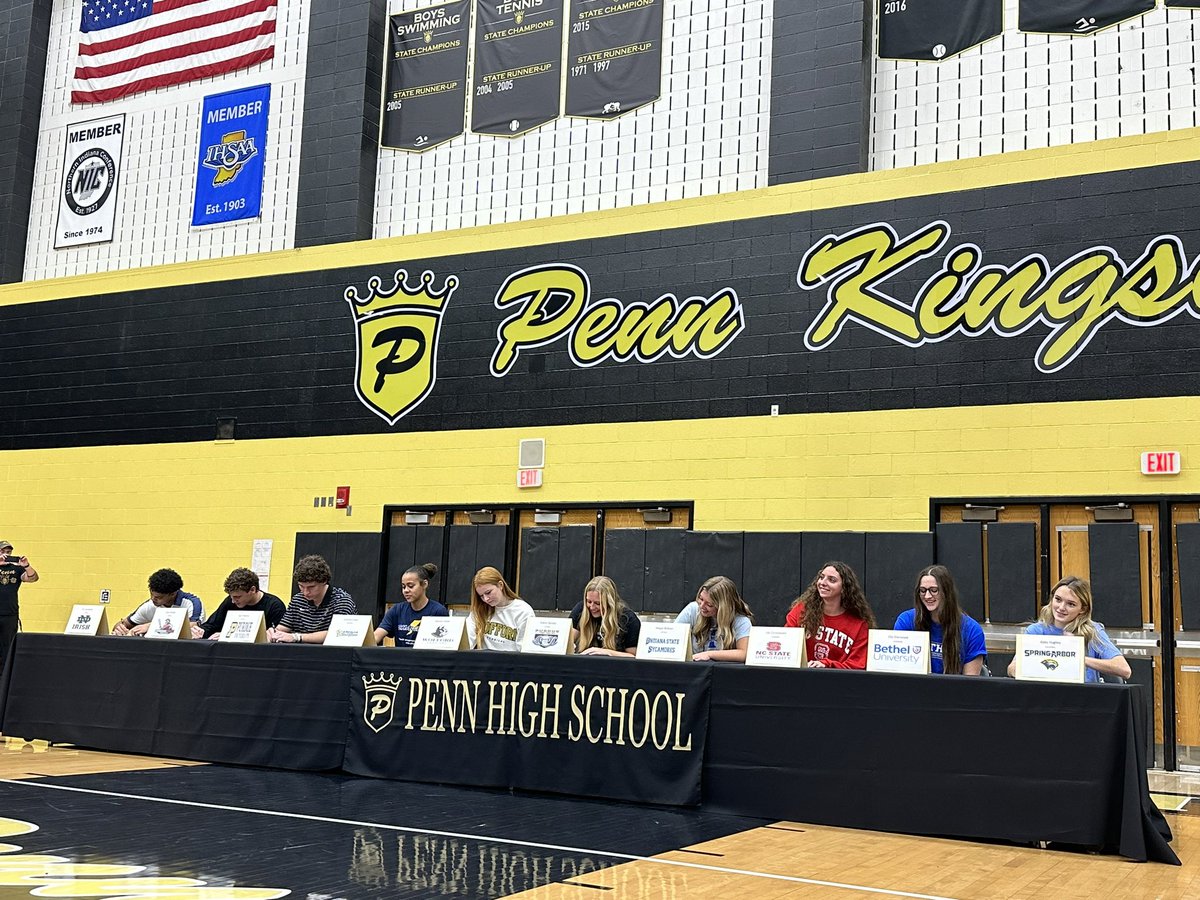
(233, 139)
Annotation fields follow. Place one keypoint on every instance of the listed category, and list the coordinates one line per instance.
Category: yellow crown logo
(400, 294)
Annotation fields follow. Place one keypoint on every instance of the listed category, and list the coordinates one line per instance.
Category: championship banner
(87, 205)
(1182, 4)
(614, 56)
(936, 29)
(1077, 16)
(518, 58)
(577, 725)
(425, 90)
(233, 140)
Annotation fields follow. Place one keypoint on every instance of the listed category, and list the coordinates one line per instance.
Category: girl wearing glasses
(956, 641)
(1069, 611)
(836, 617)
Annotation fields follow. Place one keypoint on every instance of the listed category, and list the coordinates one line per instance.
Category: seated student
(498, 615)
(720, 621)
(956, 644)
(241, 586)
(836, 617)
(313, 606)
(166, 590)
(1069, 611)
(403, 620)
(610, 628)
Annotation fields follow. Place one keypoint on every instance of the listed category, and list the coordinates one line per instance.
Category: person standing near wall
(14, 571)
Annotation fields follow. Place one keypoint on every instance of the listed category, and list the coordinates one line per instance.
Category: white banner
(87, 202)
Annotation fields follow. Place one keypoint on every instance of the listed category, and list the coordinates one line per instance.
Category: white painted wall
(158, 172)
(706, 134)
(1021, 91)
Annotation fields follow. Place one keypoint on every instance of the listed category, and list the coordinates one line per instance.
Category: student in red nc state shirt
(835, 616)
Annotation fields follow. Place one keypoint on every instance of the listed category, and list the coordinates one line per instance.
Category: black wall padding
(408, 546)
(357, 570)
(309, 543)
(460, 565)
(576, 554)
(625, 563)
(401, 553)
(353, 558)
(770, 574)
(1012, 572)
(539, 567)
(820, 547)
(893, 561)
(1187, 545)
(429, 548)
(959, 548)
(1115, 560)
(1142, 672)
(709, 553)
(666, 590)
(492, 549)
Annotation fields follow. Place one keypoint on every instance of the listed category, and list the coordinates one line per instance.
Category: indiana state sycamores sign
(398, 327)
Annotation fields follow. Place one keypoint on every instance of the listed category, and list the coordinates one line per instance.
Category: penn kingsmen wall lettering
(1074, 299)
(554, 301)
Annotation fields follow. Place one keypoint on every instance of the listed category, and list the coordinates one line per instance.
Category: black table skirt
(992, 759)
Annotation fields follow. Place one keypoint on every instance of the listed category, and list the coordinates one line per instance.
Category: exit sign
(1161, 462)
(529, 478)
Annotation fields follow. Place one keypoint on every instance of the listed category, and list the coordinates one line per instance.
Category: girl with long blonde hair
(1069, 611)
(720, 621)
(609, 627)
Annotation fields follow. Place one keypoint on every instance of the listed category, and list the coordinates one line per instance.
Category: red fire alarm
(343, 498)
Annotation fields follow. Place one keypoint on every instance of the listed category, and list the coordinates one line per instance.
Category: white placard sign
(87, 199)
(244, 626)
(260, 562)
(442, 633)
(1051, 657)
(350, 631)
(779, 647)
(169, 623)
(898, 651)
(89, 620)
(547, 634)
(665, 640)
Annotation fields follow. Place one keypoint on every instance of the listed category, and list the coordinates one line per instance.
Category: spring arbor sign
(398, 326)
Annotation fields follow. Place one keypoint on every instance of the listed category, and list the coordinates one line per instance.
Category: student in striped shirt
(308, 615)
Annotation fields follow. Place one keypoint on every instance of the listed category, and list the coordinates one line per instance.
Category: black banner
(1182, 4)
(936, 29)
(425, 96)
(518, 59)
(614, 56)
(586, 726)
(1078, 16)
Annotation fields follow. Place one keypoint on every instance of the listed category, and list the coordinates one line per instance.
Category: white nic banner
(87, 203)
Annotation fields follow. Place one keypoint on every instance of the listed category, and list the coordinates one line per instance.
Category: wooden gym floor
(78, 823)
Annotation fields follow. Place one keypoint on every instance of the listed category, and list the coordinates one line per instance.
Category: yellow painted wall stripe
(1114, 155)
(106, 517)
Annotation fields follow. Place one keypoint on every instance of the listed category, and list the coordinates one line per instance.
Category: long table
(991, 759)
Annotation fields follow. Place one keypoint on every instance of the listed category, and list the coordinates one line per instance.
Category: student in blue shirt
(956, 643)
(719, 620)
(403, 620)
(1069, 611)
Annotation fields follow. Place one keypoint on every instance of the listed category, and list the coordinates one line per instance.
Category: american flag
(130, 46)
